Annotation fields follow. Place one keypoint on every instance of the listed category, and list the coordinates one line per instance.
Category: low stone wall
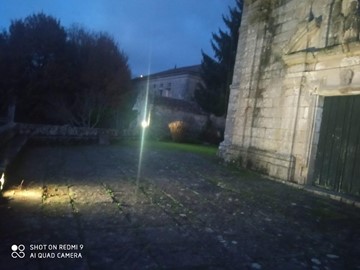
(163, 116)
(13, 136)
(169, 116)
(67, 133)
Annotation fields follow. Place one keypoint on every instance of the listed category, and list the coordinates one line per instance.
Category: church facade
(294, 102)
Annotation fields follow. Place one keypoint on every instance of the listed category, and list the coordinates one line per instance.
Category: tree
(102, 78)
(217, 73)
(36, 47)
(54, 76)
(4, 101)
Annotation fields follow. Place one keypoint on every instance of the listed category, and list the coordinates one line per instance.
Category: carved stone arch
(304, 37)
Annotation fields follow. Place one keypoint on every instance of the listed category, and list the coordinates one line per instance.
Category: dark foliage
(217, 73)
(56, 76)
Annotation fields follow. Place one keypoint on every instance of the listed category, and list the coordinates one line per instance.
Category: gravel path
(80, 205)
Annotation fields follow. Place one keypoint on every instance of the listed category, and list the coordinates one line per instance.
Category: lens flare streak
(144, 124)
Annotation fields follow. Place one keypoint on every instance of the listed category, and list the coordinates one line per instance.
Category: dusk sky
(168, 32)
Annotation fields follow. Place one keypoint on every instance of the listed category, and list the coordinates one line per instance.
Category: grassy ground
(193, 148)
(208, 150)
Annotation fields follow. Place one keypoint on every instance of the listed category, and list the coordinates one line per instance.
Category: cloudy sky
(155, 34)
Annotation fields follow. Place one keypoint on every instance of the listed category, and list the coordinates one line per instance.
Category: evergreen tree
(217, 73)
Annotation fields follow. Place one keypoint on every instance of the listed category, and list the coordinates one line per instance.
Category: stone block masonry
(285, 67)
(65, 133)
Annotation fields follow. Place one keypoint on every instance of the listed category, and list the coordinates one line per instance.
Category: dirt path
(80, 204)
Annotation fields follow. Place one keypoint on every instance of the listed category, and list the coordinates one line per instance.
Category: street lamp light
(145, 123)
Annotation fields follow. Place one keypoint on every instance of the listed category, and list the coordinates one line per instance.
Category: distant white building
(170, 97)
(177, 83)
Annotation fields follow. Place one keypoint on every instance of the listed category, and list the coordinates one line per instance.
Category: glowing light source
(2, 181)
(146, 122)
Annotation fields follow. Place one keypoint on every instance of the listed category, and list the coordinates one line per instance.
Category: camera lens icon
(18, 251)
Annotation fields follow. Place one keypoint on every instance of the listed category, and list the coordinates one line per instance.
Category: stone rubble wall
(283, 70)
(67, 133)
(162, 116)
(200, 125)
(13, 136)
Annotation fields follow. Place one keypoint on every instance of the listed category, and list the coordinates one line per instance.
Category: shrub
(179, 130)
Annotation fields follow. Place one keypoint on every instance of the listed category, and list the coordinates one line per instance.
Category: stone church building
(294, 110)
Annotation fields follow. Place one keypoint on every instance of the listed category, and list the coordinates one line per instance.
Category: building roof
(190, 70)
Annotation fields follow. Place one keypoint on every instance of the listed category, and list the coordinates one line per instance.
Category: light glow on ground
(28, 194)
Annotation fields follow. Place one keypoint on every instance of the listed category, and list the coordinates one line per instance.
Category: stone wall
(162, 116)
(286, 63)
(13, 137)
(67, 133)
(165, 111)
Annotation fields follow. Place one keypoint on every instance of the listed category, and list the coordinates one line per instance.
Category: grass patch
(208, 150)
(185, 147)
